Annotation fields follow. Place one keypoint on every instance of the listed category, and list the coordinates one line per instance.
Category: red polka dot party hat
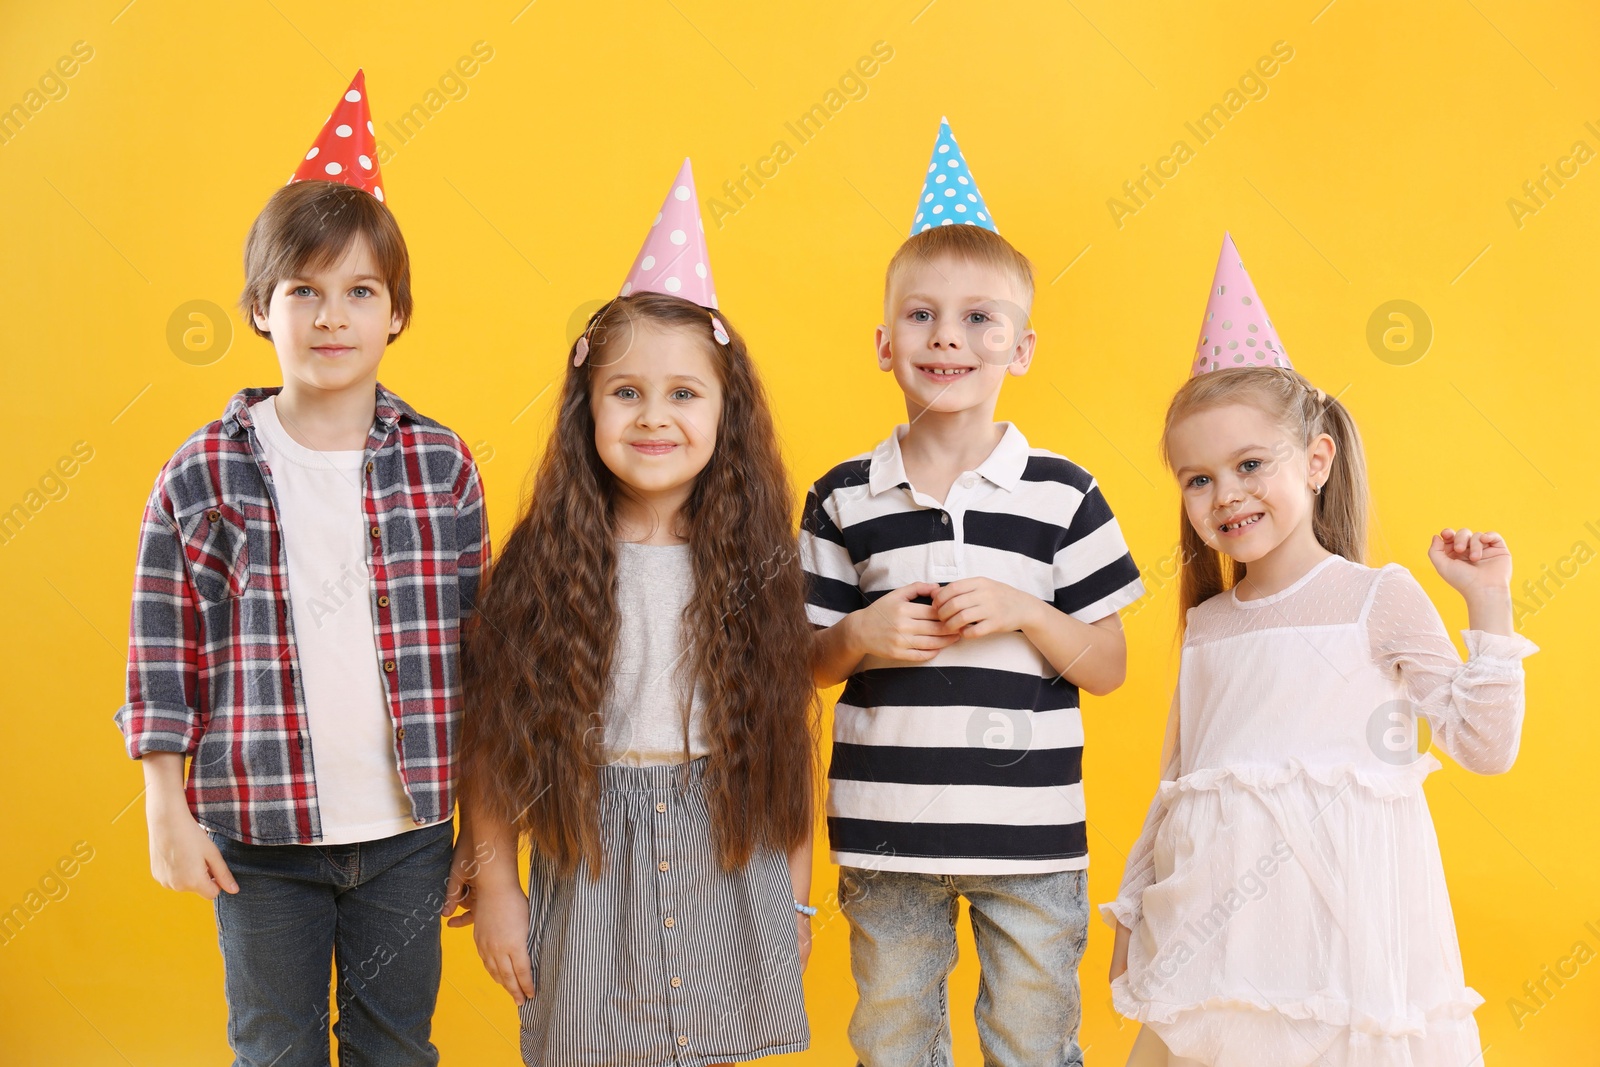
(347, 148)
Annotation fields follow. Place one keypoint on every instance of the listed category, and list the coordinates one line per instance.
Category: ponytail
(1339, 518)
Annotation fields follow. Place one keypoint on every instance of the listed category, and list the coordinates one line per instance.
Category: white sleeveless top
(1286, 897)
(651, 717)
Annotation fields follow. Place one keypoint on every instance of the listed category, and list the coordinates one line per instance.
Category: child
(1286, 904)
(638, 709)
(969, 586)
(305, 564)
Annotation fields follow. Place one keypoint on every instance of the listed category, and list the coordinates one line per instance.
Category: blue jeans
(1030, 931)
(372, 911)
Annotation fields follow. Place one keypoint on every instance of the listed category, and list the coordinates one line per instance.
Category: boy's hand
(500, 926)
(976, 607)
(893, 627)
(182, 856)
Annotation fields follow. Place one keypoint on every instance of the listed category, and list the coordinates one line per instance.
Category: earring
(1316, 489)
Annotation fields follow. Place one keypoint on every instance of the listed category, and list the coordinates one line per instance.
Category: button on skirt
(666, 958)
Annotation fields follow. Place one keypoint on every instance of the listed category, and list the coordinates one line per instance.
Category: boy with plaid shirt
(305, 567)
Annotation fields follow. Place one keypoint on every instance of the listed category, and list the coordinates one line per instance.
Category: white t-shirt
(319, 495)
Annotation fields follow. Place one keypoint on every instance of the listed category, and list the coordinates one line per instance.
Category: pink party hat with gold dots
(673, 259)
(1236, 331)
(347, 149)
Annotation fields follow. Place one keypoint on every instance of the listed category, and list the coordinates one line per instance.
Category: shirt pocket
(217, 544)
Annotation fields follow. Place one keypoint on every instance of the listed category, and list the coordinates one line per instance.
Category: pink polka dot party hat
(673, 259)
(1236, 331)
(347, 148)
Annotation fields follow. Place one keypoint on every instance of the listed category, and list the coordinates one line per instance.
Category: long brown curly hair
(537, 658)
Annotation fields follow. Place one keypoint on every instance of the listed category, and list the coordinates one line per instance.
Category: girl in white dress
(1285, 904)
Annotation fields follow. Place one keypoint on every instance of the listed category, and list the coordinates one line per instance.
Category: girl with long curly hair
(640, 706)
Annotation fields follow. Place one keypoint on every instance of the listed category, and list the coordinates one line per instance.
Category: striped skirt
(666, 959)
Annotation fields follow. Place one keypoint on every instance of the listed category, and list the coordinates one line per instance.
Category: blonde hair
(965, 242)
(1339, 513)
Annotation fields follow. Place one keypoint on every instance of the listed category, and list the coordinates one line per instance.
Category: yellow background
(1377, 167)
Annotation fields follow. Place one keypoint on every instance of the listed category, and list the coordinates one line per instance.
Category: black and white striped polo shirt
(970, 763)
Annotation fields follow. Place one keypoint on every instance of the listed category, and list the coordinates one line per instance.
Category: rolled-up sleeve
(162, 712)
(472, 534)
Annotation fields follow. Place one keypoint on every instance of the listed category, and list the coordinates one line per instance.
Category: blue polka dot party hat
(949, 193)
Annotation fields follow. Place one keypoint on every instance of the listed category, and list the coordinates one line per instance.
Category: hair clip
(582, 351)
(719, 331)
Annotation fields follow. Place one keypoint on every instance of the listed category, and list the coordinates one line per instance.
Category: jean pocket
(217, 544)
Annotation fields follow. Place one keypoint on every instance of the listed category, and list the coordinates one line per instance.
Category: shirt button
(383, 602)
(667, 922)
(969, 480)
(375, 533)
(400, 734)
(661, 806)
(369, 466)
(682, 1039)
(388, 666)
(213, 515)
(944, 518)
(663, 866)
(676, 981)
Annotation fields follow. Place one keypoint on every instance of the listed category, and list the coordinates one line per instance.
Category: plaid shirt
(212, 668)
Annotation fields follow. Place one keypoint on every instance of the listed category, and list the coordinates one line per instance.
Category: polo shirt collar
(1003, 467)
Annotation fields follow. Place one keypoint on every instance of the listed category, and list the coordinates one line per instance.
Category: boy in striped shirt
(965, 586)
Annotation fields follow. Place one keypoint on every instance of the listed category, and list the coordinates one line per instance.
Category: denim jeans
(1030, 931)
(369, 910)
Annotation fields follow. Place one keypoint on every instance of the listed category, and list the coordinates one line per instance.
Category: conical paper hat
(1236, 331)
(347, 149)
(673, 259)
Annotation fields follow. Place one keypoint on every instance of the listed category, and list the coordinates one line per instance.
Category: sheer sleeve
(1140, 871)
(1475, 708)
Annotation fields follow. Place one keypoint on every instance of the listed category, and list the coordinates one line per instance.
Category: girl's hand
(894, 627)
(1119, 954)
(182, 856)
(802, 930)
(975, 607)
(1478, 566)
(500, 926)
(1471, 562)
(456, 891)
(465, 864)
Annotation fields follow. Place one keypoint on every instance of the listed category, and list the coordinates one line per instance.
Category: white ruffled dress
(1286, 896)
